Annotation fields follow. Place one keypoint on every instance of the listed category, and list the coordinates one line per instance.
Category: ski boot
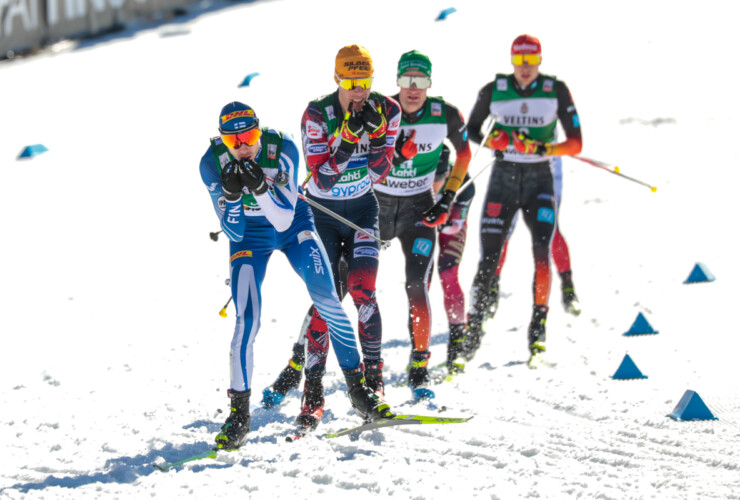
(234, 431)
(368, 406)
(472, 339)
(374, 377)
(289, 378)
(570, 299)
(312, 403)
(537, 334)
(455, 348)
(482, 307)
(419, 376)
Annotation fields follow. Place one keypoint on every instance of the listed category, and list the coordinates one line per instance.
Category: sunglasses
(351, 83)
(249, 137)
(530, 59)
(422, 82)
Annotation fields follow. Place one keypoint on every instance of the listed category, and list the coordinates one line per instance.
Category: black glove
(231, 182)
(375, 125)
(351, 130)
(253, 177)
(405, 148)
(437, 215)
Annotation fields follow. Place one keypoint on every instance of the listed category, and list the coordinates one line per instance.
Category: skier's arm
(459, 209)
(443, 168)
(380, 160)
(230, 213)
(568, 117)
(278, 203)
(457, 133)
(325, 168)
(481, 110)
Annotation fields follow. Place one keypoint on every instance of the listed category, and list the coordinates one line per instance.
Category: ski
(200, 456)
(399, 420)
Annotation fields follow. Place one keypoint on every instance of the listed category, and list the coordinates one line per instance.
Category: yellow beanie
(353, 61)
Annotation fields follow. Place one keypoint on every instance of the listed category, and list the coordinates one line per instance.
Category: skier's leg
(247, 274)
(417, 243)
(539, 212)
(499, 207)
(451, 247)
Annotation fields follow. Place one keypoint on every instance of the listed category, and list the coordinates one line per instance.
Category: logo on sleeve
(317, 149)
(313, 130)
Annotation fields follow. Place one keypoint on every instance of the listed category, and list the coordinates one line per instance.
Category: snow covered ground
(113, 353)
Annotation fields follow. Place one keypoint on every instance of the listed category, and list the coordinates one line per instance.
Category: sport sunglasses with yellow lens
(249, 137)
(351, 83)
(422, 82)
(530, 59)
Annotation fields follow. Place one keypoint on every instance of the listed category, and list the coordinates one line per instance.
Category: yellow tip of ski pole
(616, 170)
(653, 188)
(222, 312)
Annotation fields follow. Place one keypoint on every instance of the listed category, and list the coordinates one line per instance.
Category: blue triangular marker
(248, 79)
(641, 327)
(443, 15)
(691, 407)
(31, 151)
(700, 274)
(627, 370)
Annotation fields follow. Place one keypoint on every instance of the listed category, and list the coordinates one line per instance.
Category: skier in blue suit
(252, 176)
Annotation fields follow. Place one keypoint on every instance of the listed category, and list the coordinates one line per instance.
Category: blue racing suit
(258, 225)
